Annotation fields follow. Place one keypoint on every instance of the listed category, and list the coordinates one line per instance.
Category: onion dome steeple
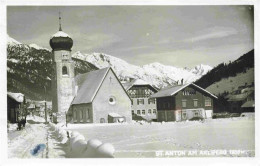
(61, 40)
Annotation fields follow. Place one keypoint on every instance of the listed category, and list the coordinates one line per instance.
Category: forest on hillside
(225, 70)
(29, 71)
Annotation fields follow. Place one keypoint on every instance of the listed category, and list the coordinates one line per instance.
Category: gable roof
(249, 104)
(19, 97)
(129, 85)
(170, 91)
(89, 84)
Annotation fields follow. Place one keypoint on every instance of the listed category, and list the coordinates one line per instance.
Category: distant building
(100, 96)
(86, 98)
(242, 99)
(183, 102)
(14, 103)
(142, 107)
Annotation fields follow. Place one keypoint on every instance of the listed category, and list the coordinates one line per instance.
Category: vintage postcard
(130, 81)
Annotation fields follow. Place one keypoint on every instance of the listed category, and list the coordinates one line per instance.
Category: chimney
(181, 81)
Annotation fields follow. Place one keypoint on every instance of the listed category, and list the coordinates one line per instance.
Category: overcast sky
(182, 36)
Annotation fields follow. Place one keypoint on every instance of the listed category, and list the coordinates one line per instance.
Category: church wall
(101, 105)
(82, 113)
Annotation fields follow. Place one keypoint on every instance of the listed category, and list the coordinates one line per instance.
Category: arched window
(64, 70)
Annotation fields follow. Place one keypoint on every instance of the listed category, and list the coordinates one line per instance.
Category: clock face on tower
(65, 55)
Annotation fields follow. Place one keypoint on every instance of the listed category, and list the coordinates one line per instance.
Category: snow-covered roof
(128, 85)
(60, 34)
(89, 84)
(115, 115)
(170, 91)
(249, 104)
(16, 96)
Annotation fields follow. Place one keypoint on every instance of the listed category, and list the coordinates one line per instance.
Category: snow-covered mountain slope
(38, 47)
(29, 69)
(157, 74)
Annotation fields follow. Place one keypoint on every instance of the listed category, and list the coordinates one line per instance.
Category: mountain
(157, 74)
(227, 77)
(29, 69)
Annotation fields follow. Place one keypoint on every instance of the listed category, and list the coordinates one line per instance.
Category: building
(242, 99)
(86, 98)
(99, 97)
(183, 102)
(142, 107)
(14, 104)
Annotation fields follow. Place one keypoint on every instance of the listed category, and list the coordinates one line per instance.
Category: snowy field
(216, 137)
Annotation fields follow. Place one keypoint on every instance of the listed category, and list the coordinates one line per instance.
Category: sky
(182, 36)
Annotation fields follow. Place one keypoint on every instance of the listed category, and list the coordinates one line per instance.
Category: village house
(14, 104)
(183, 102)
(142, 107)
(93, 97)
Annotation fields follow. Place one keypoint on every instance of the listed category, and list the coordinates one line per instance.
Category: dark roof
(88, 85)
(170, 91)
(249, 104)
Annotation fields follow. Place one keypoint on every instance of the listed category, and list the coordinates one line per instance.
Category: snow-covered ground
(215, 137)
(23, 143)
(148, 140)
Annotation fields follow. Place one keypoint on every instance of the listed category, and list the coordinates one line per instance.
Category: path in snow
(21, 143)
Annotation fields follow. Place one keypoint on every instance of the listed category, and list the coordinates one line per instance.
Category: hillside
(29, 69)
(227, 77)
(231, 83)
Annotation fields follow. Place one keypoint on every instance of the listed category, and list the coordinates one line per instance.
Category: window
(207, 102)
(140, 101)
(184, 103)
(154, 111)
(188, 92)
(138, 112)
(149, 111)
(143, 112)
(64, 70)
(195, 102)
(151, 101)
(168, 105)
(112, 100)
(132, 102)
(74, 115)
(133, 112)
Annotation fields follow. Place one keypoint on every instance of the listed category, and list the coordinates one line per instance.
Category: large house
(183, 102)
(143, 107)
(93, 97)
(14, 103)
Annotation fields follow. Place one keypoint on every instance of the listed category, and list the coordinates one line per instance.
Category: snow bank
(80, 148)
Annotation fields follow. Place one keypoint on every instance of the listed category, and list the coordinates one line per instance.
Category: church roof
(170, 91)
(88, 85)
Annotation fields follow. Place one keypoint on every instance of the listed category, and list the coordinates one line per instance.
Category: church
(94, 97)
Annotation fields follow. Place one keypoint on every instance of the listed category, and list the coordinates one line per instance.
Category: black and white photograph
(130, 81)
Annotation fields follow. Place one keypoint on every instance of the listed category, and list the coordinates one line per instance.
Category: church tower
(63, 74)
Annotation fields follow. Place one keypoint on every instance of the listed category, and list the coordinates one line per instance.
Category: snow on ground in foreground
(21, 143)
(135, 140)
